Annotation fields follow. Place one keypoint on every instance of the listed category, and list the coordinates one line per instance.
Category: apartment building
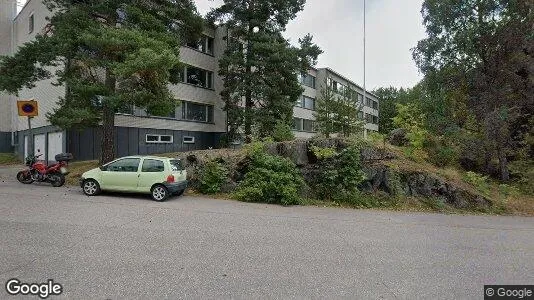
(313, 83)
(198, 123)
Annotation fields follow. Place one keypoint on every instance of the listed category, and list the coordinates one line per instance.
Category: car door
(121, 175)
(152, 171)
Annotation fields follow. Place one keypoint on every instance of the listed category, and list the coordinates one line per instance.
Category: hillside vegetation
(345, 173)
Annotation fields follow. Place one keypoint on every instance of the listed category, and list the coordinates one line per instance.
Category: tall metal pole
(364, 65)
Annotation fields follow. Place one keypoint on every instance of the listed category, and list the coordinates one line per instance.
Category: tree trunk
(108, 124)
(503, 166)
(249, 104)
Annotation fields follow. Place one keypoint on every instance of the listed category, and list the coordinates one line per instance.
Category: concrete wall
(8, 10)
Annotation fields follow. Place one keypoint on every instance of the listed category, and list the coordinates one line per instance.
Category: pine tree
(260, 67)
(338, 113)
(110, 54)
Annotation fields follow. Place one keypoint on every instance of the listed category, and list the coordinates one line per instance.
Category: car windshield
(176, 165)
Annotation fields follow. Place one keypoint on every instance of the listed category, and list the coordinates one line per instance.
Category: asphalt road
(129, 247)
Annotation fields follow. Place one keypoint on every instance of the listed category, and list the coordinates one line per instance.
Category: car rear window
(153, 165)
(176, 165)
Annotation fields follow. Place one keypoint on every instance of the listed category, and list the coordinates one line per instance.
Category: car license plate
(63, 170)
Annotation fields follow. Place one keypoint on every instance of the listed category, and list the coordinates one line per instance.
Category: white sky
(393, 28)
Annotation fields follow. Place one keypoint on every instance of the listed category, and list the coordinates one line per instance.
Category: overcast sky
(393, 28)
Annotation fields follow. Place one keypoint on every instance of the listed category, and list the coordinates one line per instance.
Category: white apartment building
(198, 123)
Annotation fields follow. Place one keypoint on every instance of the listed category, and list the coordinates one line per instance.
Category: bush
(282, 132)
(212, 177)
(323, 153)
(270, 179)
(341, 175)
(478, 181)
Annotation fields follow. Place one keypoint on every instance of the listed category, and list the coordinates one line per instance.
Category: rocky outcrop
(380, 176)
(397, 137)
(421, 184)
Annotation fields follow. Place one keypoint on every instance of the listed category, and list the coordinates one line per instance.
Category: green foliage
(110, 54)
(480, 182)
(440, 152)
(480, 69)
(523, 174)
(282, 132)
(265, 75)
(341, 175)
(323, 153)
(212, 177)
(270, 179)
(338, 113)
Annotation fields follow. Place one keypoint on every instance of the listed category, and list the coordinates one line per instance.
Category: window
(308, 125)
(123, 165)
(375, 120)
(360, 115)
(152, 165)
(375, 105)
(360, 98)
(297, 124)
(204, 44)
(334, 85)
(159, 139)
(197, 112)
(300, 102)
(209, 45)
(368, 101)
(188, 140)
(31, 23)
(307, 80)
(307, 102)
(199, 77)
(368, 118)
(176, 165)
(303, 125)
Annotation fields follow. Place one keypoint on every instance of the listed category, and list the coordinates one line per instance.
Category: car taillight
(170, 178)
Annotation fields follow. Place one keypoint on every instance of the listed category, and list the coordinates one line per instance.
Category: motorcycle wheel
(23, 178)
(57, 179)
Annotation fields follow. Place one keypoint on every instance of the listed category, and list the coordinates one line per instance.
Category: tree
(481, 52)
(259, 66)
(337, 112)
(109, 55)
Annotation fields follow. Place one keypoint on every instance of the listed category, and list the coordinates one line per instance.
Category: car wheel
(91, 187)
(159, 193)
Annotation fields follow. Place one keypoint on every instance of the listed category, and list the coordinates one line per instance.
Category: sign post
(29, 109)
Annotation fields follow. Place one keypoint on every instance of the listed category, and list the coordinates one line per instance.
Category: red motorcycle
(39, 171)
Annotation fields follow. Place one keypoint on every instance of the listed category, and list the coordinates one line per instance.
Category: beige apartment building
(198, 123)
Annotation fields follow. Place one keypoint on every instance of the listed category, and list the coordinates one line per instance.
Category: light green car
(160, 177)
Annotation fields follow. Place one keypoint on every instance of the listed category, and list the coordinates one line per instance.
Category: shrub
(341, 175)
(478, 181)
(270, 179)
(323, 153)
(282, 132)
(212, 177)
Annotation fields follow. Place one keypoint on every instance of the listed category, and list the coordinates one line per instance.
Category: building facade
(198, 123)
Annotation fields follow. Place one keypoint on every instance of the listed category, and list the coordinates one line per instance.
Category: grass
(76, 170)
(8, 159)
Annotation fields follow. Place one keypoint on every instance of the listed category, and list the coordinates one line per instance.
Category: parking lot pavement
(125, 246)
